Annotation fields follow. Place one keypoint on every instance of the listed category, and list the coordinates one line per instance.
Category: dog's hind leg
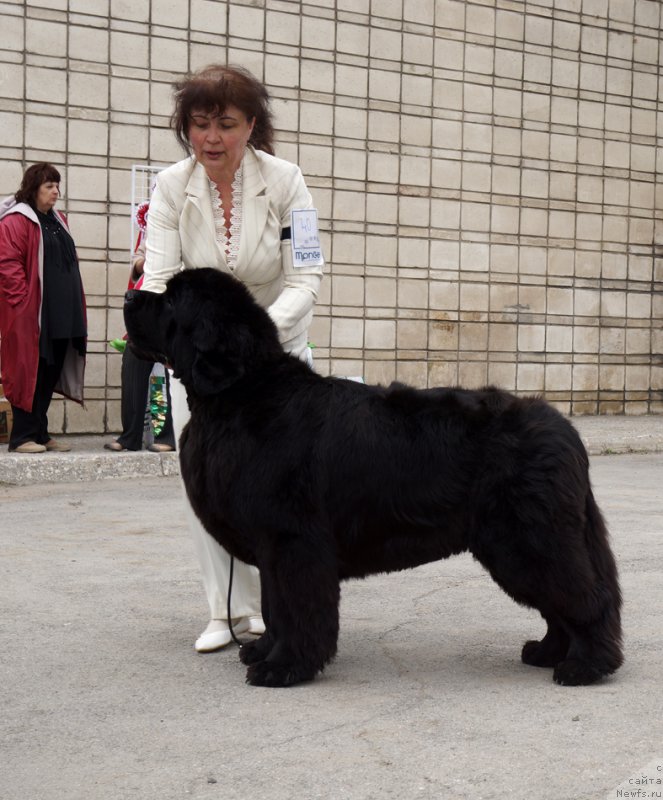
(576, 591)
(552, 649)
(557, 560)
(593, 620)
(595, 646)
(303, 593)
(583, 638)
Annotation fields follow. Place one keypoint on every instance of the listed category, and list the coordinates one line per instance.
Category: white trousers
(214, 560)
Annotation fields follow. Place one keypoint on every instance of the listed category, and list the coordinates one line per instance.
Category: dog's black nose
(129, 296)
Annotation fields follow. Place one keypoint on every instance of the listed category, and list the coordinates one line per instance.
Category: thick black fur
(317, 479)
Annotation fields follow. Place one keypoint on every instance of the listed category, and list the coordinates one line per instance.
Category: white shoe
(217, 634)
(256, 625)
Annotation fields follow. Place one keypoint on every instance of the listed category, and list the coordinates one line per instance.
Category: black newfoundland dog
(316, 479)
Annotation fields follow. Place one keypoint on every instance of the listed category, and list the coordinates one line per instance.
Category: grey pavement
(104, 698)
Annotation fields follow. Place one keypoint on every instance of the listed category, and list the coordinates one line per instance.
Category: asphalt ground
(103, 695)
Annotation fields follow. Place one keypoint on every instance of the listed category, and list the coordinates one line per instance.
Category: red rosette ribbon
(141, 215)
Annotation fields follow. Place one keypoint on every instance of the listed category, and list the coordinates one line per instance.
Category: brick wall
(486, 174)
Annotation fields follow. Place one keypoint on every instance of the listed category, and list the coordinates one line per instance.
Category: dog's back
(400, 464)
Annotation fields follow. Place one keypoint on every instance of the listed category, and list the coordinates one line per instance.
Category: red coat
(21, 271)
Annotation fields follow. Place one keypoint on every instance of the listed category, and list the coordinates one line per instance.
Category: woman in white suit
(229, 205)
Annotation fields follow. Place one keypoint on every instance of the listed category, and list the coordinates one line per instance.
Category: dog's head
(206, 326)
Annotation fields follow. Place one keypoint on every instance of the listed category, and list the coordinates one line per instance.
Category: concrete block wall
(486, 173)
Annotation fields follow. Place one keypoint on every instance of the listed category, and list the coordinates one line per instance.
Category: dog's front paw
(276, 674)
(253, 652)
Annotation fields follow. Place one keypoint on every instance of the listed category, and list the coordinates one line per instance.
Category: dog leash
(230, 590)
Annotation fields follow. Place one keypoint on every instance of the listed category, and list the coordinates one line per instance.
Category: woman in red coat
(43, 326)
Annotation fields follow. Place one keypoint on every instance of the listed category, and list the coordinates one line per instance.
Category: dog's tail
(606, 629)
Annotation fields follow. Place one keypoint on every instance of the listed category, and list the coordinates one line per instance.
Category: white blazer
(181, 235)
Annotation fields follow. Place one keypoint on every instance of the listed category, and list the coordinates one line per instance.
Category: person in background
(136, 379)
(43, 325)
(229, 205)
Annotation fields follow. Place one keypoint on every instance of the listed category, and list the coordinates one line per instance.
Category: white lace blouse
(229, 241)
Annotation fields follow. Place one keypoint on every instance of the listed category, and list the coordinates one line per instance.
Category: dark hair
(33, 178)
(212, 90)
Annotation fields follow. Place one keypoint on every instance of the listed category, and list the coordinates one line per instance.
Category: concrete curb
(21, 470)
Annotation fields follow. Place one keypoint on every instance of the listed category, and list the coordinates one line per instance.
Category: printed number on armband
(305, 239)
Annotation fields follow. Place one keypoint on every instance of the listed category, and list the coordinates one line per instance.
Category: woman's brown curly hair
(212, 90)
(33, 177)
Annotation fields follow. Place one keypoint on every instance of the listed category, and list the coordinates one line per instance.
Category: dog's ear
(211, 373)
(219, 333)
(220, 358)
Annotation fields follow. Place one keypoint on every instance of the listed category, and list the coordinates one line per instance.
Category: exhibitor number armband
(305, 241)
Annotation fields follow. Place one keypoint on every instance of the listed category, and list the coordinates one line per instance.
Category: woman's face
(218, 141)
(47, 196)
